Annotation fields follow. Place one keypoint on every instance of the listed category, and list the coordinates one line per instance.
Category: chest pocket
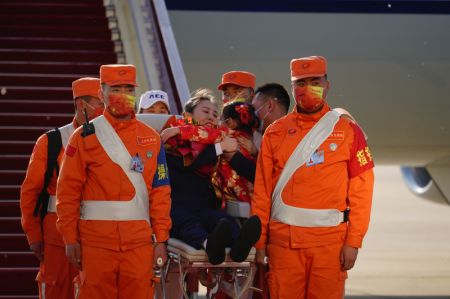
(332, 150)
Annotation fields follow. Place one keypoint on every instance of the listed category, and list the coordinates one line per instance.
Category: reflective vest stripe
(134, 209)
(308, 145)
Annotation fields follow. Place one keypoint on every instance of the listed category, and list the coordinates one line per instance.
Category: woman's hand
(248, 145)
(229, 145)
(169, 133)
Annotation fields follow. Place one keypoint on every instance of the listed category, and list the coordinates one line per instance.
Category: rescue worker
(237, 85)
(37, 196)
(271, 102)
(309, 236)
(114, 196)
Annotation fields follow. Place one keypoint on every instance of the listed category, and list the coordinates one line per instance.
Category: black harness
(53, 150)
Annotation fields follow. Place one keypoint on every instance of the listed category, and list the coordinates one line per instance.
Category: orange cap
(86, 86)
(239, 78)
(312, 66)
(118, 74)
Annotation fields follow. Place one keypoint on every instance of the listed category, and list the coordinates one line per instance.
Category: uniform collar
(311, 117)
(116, 123)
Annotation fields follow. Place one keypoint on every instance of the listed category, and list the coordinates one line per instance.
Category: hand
(159, 252)
(248, 145)
(169, 133)
(261, 257)
(38, 250)
(229, 144)
(348, 257)
(73, 253)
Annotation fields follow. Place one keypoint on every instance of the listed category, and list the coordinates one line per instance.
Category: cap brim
(113, 83)
(149, 104)
(88, 93)
(295, 78)
(221, 86)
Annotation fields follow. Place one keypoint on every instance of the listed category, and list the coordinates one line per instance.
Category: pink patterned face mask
(121, 104)
(309, 98)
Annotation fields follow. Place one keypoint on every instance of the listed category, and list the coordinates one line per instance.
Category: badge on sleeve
(161, 177)
(137, 164)
(317, 158)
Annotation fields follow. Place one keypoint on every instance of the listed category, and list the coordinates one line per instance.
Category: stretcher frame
(185, 263)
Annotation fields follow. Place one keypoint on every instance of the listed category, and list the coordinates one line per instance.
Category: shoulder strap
(53, 150)
(346, 114)
(302, 153)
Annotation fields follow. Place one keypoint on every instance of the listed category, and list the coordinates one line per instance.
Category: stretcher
(187, 267)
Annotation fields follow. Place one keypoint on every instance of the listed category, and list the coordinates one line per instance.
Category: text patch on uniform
(336, 135)
(146, 140)
(161, 177)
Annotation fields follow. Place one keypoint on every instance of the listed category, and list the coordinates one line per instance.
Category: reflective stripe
(295, 215)
(43, 290)
(135, 209)
(51, 208)
(347, 114)
(76, 290)
(66, 131)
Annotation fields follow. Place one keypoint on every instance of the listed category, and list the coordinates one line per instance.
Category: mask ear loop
(236, 97)
(89, 105)
(93, 108)
(264, 105)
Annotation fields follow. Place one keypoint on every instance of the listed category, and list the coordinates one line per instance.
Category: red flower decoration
(243, 113)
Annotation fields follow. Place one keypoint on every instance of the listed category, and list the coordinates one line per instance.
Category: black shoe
(217, 241)
(248, 236)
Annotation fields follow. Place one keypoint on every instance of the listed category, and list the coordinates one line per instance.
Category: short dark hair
(277, 91)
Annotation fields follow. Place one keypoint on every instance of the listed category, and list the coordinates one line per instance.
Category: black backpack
(54, 147)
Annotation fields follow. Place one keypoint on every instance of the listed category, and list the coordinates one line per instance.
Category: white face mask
(262, 119)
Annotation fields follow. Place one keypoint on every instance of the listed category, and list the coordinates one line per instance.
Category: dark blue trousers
(193, 226)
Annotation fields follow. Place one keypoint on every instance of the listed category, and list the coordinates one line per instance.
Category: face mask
(309, 98)
(121, 104)
(96, 111)
(261, 119)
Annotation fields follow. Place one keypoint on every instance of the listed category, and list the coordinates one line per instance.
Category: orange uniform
(307, 258)
(56, 273)
(116, 255)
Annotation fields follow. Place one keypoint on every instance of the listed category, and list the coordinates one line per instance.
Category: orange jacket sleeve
(72, 177)
(262, 194)
(360, 170)
(360, 203)
(160, 199)
(31, 187)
